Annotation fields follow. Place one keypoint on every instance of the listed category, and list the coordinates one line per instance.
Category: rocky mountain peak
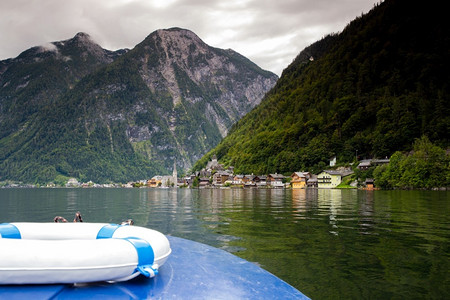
(172, 97)
(179, 38)
(172, 34)
(175, 44)
(88, 47)
(82, 36)
(176, 58)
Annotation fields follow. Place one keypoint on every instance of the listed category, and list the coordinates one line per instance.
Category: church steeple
(174, 174)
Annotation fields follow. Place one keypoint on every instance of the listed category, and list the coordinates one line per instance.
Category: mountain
(368, 91)
(41, 74)
(73, 109)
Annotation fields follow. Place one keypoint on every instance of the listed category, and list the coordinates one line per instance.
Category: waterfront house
(155, 181)
(238, 179)
(298, 180)
(312, 182)
(248, 179)
(369, 184)
(73, 182)
(261, 180)
(329, 179)
(275, 180)
(256, 179)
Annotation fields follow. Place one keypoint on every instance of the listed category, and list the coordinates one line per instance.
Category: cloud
(270, 33)
(49, 47)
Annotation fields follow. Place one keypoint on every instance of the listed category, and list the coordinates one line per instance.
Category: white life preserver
(44, 253)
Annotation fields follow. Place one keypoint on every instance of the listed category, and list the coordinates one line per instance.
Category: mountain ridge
(131, 114)
(40, 74)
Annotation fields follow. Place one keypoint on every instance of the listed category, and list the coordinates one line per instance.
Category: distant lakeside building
(216, 175)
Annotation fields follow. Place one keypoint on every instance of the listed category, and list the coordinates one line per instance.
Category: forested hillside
(370, 90)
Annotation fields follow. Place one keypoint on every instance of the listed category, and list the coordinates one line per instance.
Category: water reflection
(327, 243)
(304, 202)
(71, 199)
(366, 213)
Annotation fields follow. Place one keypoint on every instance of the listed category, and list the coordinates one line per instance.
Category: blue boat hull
(193, 271)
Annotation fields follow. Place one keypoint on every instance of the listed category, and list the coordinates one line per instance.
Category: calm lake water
(329, 244)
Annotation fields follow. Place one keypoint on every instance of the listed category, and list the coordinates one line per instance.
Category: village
(214, 175)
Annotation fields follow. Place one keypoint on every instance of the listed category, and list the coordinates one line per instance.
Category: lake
(329, 244)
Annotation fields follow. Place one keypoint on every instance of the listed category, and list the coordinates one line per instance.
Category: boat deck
(193, 271)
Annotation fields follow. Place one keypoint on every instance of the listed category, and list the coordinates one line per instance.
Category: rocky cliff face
(176, 63)
(213, 88)
(189, 70)
(79, 110)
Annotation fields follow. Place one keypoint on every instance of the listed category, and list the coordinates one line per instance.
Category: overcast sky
(271, 33)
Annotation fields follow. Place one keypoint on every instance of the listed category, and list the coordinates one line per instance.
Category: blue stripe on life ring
(9, 231)
(107, 231)
(146, 256)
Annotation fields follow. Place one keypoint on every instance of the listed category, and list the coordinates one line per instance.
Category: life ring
(46, 253)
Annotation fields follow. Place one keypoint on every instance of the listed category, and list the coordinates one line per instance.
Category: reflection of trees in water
(287, 232)
(366, 221)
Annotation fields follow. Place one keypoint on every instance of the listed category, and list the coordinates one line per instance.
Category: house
(333, 161)
(364, 164)
(312, 182)
(329, 179)
(257, 181)
(381, 161)
(189, 179)
(369, 184)
(302, 180)
(73, 182)
(156, 181)
(220, 177)
(261, 180)
(248, 179)
(367, 163)
(238, 179)
(160, 181)
(203, 182)
(298, 180)
(275, 180)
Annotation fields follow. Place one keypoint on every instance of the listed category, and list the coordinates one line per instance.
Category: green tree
(428, 166)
